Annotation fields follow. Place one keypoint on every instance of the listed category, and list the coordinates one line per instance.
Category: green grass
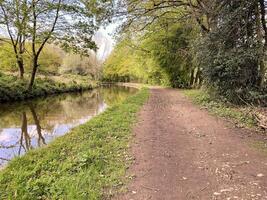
(14, 89)
(240, 115)
(87, 163)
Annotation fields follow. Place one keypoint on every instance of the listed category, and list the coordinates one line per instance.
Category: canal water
(31, 124)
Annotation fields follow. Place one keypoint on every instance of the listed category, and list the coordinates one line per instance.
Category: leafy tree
(229, 49)
(70, 24)
(170, 48)
(13, 22)
(67, 22)
(50, 59)
(126, 63)
(232, 53)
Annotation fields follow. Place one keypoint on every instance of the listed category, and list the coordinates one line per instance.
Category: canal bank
(87, 163)
(14, 89)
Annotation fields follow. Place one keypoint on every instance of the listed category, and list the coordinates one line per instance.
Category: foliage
(229, 54)
(13, 89)
(170, 49)
(50, 59)
(219, 43)
(68, 24)
(160, 56)
(87, 163)
(241, 115)
(53, 61)
(82, 65)
(127, 64)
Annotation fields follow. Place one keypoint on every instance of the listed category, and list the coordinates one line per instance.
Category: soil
(183, 152)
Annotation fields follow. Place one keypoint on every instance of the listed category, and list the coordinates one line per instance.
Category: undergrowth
(15, 89)
(240, 115)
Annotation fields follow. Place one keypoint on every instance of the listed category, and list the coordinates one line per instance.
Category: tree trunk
(21, 68)
(262, 72)
(33, 74)
(260, 37)
(198, 79)
(192, 78)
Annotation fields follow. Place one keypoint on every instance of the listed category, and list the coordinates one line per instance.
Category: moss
(87, 163)
(240, 115)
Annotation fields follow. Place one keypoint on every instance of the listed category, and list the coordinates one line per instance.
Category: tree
(229, 49)
(262, 39)
(50, 59)
(160, 55)
(170, 48)
(141, 14)
(69, 23)
(13, 23)
(232, 53)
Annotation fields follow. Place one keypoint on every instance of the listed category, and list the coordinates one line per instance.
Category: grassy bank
(242, 116)
(87, 163)
(14, 89)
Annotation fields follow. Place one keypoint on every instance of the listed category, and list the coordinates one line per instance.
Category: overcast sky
(105, 41)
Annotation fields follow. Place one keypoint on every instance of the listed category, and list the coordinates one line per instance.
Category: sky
(105, 41)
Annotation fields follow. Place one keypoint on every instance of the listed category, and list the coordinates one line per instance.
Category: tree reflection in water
(41, 139)
(32, 124)
(25, 142)
(25, 139)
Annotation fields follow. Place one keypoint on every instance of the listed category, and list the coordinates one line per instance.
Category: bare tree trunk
(37, 51)
(33, 74)
(21, 67)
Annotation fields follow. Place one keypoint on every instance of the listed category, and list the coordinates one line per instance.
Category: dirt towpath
(182, 152)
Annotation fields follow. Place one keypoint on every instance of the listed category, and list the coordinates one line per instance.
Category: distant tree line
(52, 61)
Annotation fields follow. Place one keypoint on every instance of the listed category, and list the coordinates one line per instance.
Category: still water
(31, 124)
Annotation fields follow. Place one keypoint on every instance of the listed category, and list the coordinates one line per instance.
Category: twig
(149, 188)
(204, 188)
(5, 159)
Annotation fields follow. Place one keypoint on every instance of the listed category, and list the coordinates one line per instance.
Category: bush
(13, 89)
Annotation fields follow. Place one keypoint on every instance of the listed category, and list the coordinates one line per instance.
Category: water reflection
(32, 124)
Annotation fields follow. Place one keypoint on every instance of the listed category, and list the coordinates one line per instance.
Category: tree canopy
(68, 24)
(220, 45)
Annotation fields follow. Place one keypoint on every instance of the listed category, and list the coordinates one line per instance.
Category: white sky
(105, 41)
